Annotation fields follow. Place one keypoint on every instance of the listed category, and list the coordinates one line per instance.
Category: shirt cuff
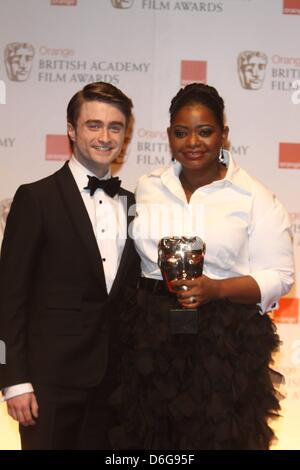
(269, 283)
(16, 390)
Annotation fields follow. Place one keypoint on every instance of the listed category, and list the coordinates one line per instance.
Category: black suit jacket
(55, 312)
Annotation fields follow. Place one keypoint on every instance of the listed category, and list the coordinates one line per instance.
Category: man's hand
(23, 408)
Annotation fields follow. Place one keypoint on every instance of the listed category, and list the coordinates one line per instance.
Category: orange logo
(291, 7)
(289, 155)
(288, 311)
(58, 147)
(193, 71)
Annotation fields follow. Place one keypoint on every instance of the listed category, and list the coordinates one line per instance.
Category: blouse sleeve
(271, 250)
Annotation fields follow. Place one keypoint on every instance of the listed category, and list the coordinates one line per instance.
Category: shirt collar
(80, 173)
(234, 176)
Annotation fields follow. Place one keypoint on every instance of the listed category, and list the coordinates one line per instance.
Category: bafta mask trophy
(181, 258)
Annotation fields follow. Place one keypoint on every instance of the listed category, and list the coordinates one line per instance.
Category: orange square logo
(193, 71)
(67, 3)
(288, 311)
(291, 7)
(57, 147)
(289, 155)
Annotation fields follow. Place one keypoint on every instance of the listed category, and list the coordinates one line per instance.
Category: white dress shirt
(108, 218)
(246, 229)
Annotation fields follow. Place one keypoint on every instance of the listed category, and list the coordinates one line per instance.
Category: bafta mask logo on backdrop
(193, 71)
(291, 7)
(122, 4)
(67, 3)
(18, 58)
(252, 69)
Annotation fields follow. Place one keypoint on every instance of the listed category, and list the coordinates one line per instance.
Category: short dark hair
(103, 92)
(199, 93)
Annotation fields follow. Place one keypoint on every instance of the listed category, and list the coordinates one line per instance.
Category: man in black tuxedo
(66, 265)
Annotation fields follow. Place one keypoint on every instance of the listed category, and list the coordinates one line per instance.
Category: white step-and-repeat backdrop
(247, 49)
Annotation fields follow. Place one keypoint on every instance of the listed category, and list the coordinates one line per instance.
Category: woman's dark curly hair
(199, 93)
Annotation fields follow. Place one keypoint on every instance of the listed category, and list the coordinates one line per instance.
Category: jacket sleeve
(20, 247)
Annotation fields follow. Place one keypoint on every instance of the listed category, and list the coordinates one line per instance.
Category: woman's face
(196, 137)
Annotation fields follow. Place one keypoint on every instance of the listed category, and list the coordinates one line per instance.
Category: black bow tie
(111, 186)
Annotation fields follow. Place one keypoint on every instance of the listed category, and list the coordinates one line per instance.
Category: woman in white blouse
(209, 389)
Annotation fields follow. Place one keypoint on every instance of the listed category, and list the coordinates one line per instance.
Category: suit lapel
(80, 219)
(127, 202)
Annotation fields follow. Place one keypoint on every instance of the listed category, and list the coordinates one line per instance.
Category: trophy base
(183, 321)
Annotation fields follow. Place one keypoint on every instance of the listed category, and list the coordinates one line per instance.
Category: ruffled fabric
(211, 390)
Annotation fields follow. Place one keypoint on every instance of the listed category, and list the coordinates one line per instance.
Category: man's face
(19, 63)
(253, 72)
(99, 136)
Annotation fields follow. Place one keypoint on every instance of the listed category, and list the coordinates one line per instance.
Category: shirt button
(103, 259)
(103, 230)
(100, 202)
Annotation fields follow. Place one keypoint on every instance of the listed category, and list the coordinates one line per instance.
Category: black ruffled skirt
(210, 390)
